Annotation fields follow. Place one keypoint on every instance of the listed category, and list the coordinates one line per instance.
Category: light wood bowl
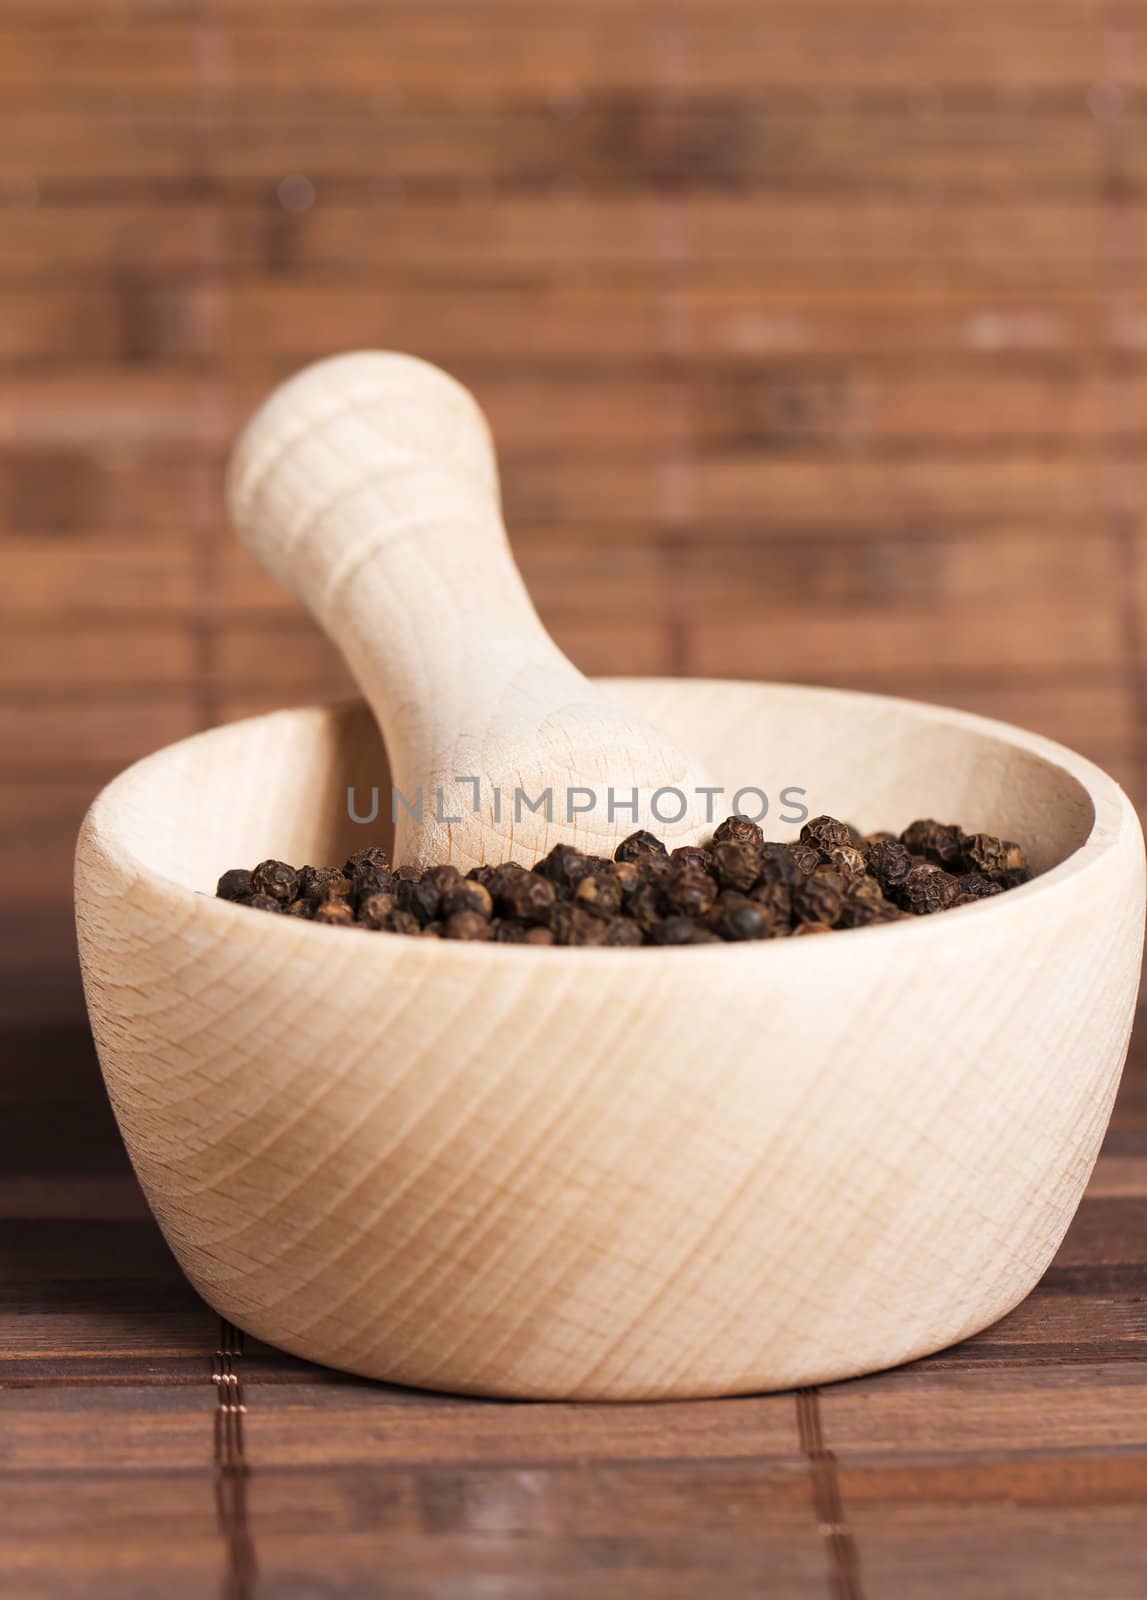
(614, 1174)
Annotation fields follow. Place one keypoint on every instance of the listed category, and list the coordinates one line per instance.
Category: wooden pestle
(368, 486)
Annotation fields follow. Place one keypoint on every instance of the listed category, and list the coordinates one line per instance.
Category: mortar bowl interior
(614, 1174)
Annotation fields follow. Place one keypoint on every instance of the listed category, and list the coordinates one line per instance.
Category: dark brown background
(814, 334)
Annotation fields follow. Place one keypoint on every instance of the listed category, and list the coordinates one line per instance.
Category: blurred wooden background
(814, 333)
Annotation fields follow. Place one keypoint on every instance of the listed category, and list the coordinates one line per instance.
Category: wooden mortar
(615, 1174)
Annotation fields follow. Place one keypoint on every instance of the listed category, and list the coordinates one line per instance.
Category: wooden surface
(865, 288)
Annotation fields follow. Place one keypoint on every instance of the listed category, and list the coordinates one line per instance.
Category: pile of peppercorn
(735, 887)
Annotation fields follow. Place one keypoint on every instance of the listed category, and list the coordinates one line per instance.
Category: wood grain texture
(886, 268)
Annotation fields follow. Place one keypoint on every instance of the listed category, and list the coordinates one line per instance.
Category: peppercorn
(805, 857)
(738, 830)
(420, 897)
(275, 879)
(889, 863)
(820, 898)
(928, 889)
(638, 846)
(653, 868)
(504, 930)
(736, 888)
(916, 835)
(688, 889)
(445, 879)
(823, 832)
(263, 902)
(691, 855)
(340, 887)
(315, 882)
(778, 866)
(737, 865)
(985, 855)
(645, 906)
(976, 886)
(846, 859)
(468, 895)
(776, 900)
(871, 916)
(864, 904)
(939, 842)
(335, 913)
(371, 858)
(865, 887)
(599, 892)
(572, 925)
(674, 930)
(890, 912)
(376, 910)
(520, 893)
(629, 876)
(737, 919)
(565, 866)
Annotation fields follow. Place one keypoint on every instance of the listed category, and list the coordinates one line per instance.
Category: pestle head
(368, 486)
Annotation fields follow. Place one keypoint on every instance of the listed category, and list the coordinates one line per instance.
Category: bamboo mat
(148, 1449)
(813, 335)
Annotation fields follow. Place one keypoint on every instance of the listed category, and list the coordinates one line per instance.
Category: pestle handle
(367, 485)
